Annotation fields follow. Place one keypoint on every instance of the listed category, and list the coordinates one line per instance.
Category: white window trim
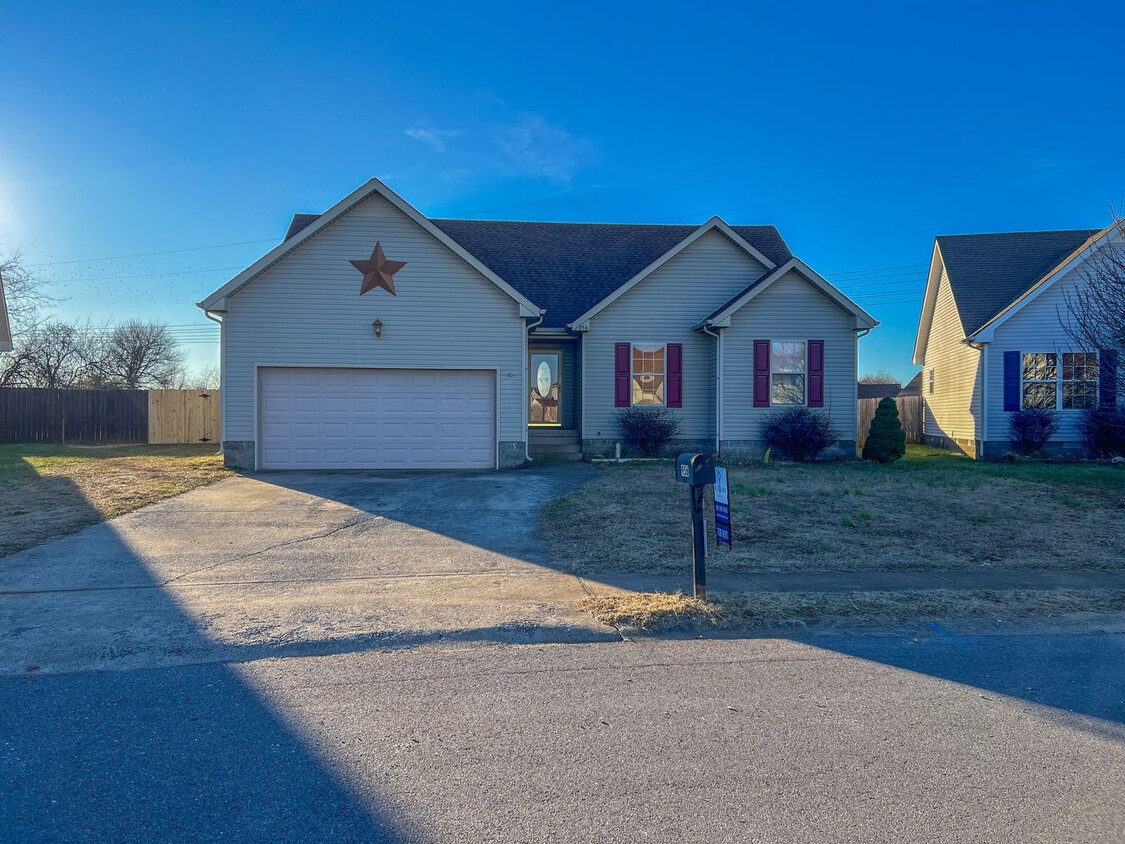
(633, 345)
(805, 398)
(1058, 408)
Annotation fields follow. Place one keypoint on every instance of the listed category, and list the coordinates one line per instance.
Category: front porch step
(554, 445)
(551, 434)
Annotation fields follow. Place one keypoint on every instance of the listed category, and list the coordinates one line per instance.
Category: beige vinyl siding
(1034, 328)
(662, 309)
(307, 311)
(790, 309)
(953, 410)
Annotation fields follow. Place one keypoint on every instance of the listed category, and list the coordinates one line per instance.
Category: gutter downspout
(718, 387)
(983, 433)
(222, 375)
(531, 326)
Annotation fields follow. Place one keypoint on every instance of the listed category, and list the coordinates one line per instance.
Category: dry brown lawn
(48, 491)
(931, 510)
(659, 611)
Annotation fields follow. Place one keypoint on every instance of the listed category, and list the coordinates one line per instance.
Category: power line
(805, 160)
(150, 254)
(900, 185)
(142, 275)
(875, 269)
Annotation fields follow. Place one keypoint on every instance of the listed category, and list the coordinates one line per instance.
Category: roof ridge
(1029, 231)
(581, 223)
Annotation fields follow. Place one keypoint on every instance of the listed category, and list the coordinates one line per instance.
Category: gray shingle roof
(298, 222)
(567, 268)
(988, 272)
(877, 391)
(913, 386)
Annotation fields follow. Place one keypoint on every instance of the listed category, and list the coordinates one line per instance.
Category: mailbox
(695, 469)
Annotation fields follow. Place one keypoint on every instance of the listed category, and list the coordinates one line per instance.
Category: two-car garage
(352, 418)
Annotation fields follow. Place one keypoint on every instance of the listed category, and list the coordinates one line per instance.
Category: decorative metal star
(378, 271)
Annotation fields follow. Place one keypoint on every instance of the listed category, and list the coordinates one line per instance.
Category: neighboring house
(877, 391)
(509, 340)
(5, 326)
(991, 339)
(913, 387)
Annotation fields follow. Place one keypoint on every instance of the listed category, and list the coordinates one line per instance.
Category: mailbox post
(697, 470)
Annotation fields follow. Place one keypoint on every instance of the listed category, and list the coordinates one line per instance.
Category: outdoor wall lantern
(378, 329)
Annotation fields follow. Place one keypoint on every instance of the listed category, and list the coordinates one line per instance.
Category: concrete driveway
(297, 563)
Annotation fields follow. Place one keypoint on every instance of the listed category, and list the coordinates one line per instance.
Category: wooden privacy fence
(183, 416)
(31, 414)
(909, 411)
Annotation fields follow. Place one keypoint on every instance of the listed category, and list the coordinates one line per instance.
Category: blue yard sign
(722, 508)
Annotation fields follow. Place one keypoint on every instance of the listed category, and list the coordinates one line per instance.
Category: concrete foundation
(239, 454)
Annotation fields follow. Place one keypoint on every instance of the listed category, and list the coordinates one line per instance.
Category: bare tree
(136, 355)
(206, 378)
(880, 377)
(1094, 312)
(55, 354)
(26, 298)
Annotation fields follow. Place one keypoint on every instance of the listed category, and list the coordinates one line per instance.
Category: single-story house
(992, 339)
(374, 337)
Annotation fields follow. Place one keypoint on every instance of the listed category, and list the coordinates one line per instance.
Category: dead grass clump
(653, 611)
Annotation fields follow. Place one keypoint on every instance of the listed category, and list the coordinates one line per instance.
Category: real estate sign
(722, 508)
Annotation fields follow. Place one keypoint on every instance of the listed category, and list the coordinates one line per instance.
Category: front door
(545, 389)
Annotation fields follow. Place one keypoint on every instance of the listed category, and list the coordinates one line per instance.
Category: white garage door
(378, 419)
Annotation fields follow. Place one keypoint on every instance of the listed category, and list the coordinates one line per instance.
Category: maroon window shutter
(761, 373)
(675, 375)
(816, 373)
(622, 375)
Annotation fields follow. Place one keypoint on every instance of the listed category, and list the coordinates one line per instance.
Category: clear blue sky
(145, 128)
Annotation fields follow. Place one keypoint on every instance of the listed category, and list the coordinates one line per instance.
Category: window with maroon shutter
(761, 373)
(816, 373)
(675, 375)
(621, 387)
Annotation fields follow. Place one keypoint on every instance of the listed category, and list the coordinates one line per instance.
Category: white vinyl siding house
(792, 310)
(663, 309)
(305, 311)
(373, 337)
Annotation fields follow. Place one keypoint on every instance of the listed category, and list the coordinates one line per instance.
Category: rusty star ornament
(378, 271)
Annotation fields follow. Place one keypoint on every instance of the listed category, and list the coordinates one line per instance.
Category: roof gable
(721, 316)
(310, 228)
(569, 268)
(988, 272)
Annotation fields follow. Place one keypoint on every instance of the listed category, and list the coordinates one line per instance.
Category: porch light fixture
(378, 329)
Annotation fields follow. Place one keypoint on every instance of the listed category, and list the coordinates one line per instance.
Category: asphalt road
(907, 737)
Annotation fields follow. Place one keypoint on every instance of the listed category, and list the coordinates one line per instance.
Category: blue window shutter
(1011, 382)
(1107, 379)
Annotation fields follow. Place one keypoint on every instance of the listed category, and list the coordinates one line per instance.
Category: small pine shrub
(1104, 432)
(1031, 429)
(886, 441)
(799, 434)
(648, 429)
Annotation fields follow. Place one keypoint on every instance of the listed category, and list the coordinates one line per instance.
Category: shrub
(648, 429)
(1104, 432)
(886, 441)
(799, 434)
(1030, 429)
